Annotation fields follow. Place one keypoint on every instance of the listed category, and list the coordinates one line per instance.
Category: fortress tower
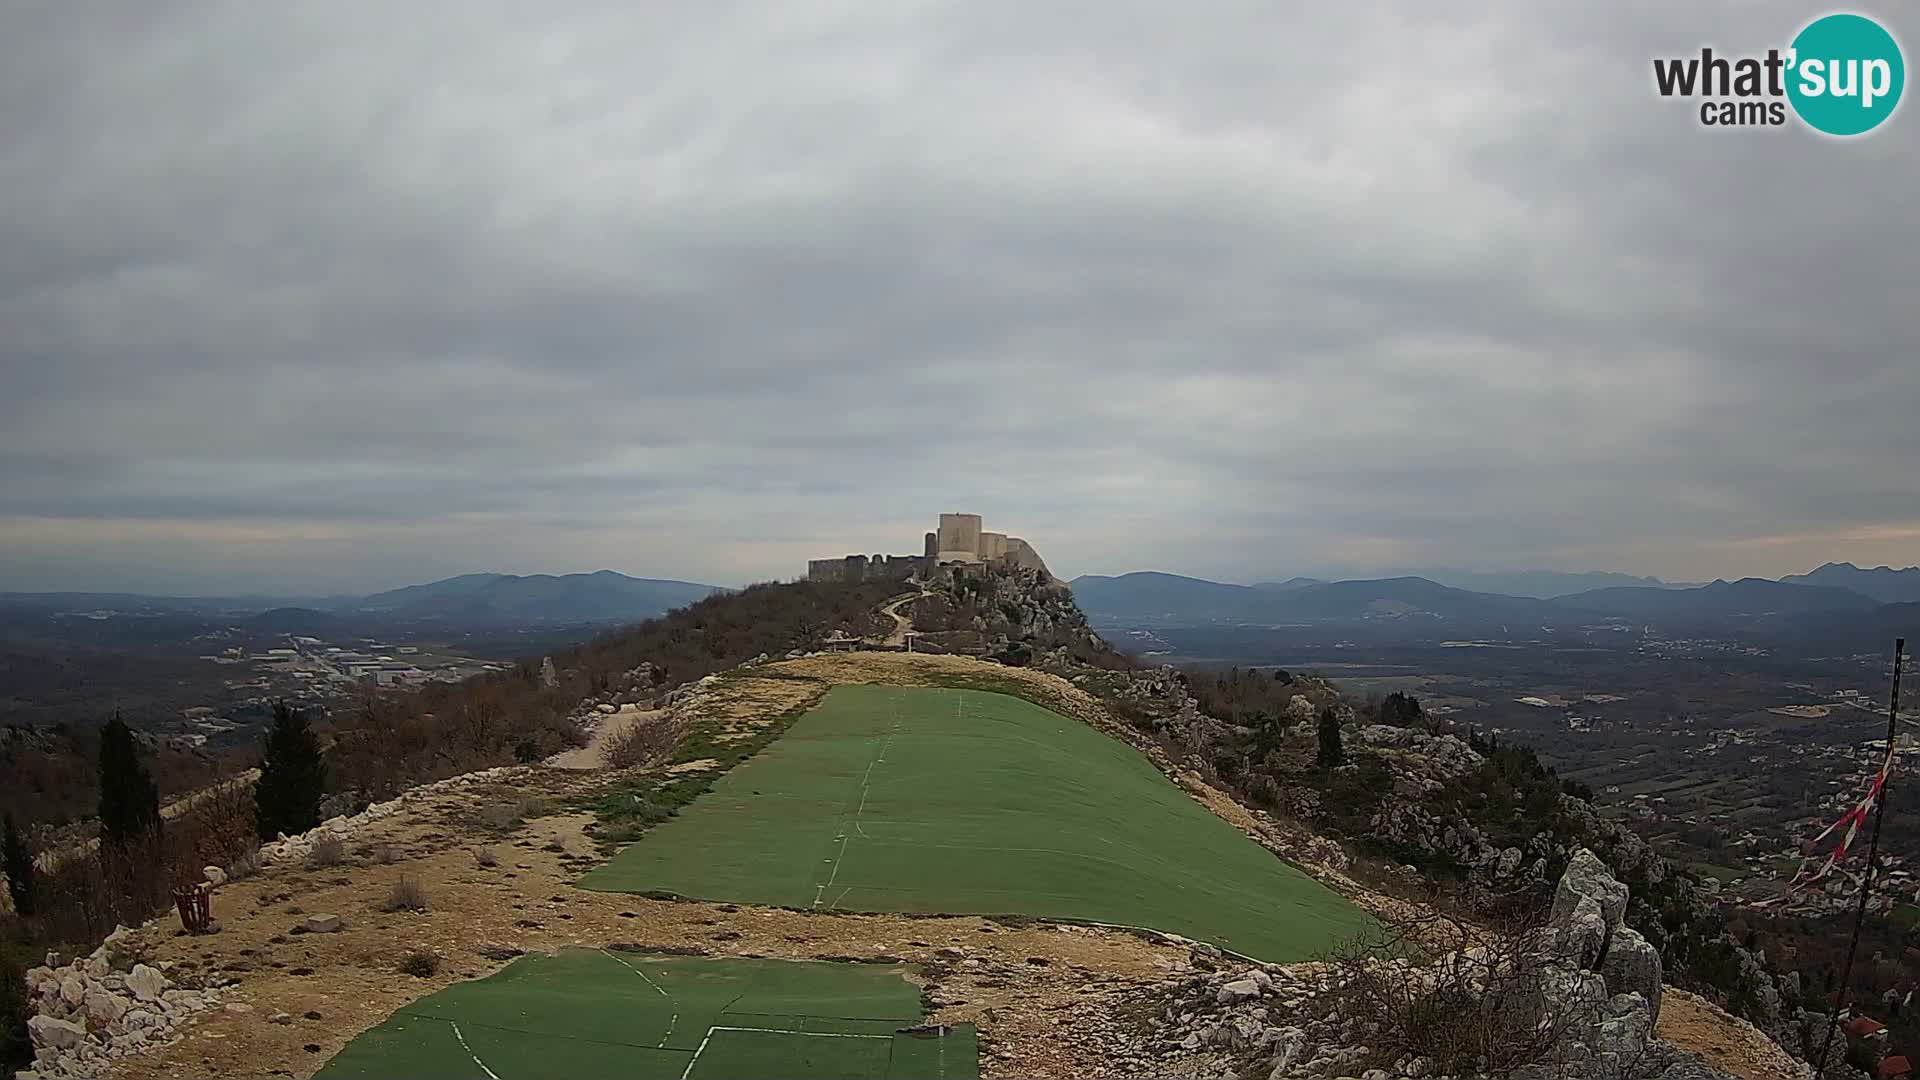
(959, 539)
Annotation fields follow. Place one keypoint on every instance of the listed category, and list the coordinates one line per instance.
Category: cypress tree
(1331, 753)
(129, 799)
(293, 776)
(19, 863)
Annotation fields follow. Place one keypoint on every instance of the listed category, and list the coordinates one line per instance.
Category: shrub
(407, 895)
(1479, 1010)
(246, 866)
(16, 1045)
(1331, 754)
(129, 799)
(533, 807)
(385, 853)
(19, 869)
(329, 850)
(420, 963)
(293, 776)
(501, 817)
(485, 857)
(645, 742)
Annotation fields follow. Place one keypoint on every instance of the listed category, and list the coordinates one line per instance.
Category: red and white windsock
(1848, 826)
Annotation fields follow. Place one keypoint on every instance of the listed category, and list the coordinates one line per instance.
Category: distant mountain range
(603, 596)
(1885, 584)
(1541, 584)
(1169, 599)
(1157, 599)
(467, 600)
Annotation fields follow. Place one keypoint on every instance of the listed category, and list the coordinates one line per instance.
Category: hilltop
(1418, 816)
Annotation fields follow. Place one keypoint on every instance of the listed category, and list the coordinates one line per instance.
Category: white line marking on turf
(673, 1020)
(821, 889)
(470, 1053)
(688, 1071)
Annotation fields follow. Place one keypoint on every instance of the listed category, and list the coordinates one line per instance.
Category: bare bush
(500, 817)
(420, 963)
(407, 895)
(485, 857)
(329, 850)
(245, 866)
(533, 807)
(643, 743)
(1486, 1005)
(385, 853)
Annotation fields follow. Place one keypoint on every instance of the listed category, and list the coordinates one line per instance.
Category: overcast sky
(305, 296)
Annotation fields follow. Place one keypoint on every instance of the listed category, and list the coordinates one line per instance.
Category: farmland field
(912, 799)
(588, 1012)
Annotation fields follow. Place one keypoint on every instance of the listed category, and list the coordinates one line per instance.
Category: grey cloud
(1227, 288)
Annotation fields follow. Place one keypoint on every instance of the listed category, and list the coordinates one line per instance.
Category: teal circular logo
(1846, 74)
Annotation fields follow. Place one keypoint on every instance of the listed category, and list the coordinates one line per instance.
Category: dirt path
(594, 754)
(902, 624)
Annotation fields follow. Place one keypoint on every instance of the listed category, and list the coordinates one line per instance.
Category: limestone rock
(215, 876)
(323, 924)
(146, 983)
(1587, 876)
(58, 1034)
(1238, 990)
(105, 1008)
(1632, 966)
(1583, 933)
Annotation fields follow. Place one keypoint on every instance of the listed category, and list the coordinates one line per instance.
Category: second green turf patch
(586, 1012)
(964, 802)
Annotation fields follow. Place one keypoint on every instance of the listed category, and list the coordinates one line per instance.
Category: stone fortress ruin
(958, 541)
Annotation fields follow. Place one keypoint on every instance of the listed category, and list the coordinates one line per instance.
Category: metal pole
(1866, 882)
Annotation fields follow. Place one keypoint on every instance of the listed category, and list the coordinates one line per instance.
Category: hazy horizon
(1325, 574)
(335, 298)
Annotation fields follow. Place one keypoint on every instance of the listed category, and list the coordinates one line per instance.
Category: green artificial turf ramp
(584, 1012)
(890, 798)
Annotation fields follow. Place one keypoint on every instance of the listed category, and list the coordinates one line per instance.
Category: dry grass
(1480, 1008)
(244, 867)
(407, 895)
(330, 851)
(420, 963)
(643, 743)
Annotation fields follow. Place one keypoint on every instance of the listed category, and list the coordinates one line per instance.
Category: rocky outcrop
(1585, 978)
(289, 848)
(102, 1007)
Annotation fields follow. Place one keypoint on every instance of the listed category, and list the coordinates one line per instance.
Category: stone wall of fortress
(862, 568)
(959, 539)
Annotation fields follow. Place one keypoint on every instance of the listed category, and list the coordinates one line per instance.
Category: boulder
(1237, 990)
(323, 924)
(1587, 876)
(1632, 966)
(1583, 934)
(73, 990)
(146, 983)
(105, 1008)
(58, 1034)
(215, 876)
